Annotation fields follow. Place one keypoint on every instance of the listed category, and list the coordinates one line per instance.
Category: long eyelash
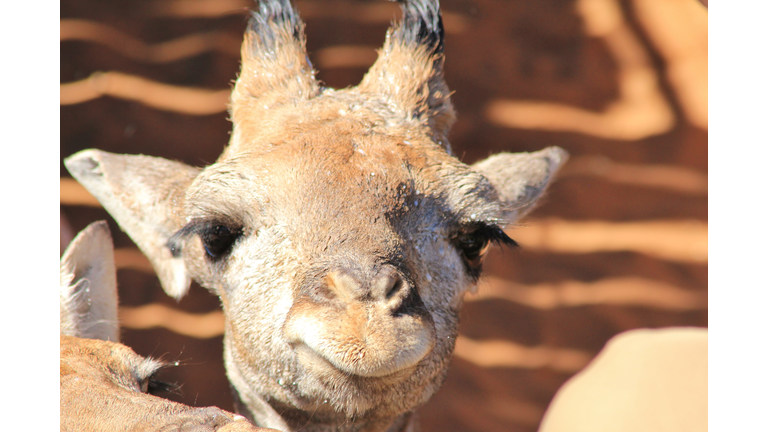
(175, 242)
(498, 236)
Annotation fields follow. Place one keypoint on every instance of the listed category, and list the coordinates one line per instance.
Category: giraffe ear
(520, 179)
(145, 195)
(88, 286)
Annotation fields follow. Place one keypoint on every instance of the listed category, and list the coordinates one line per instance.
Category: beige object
(643, 380)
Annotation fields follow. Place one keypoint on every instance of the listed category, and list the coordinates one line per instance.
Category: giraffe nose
(386, 286)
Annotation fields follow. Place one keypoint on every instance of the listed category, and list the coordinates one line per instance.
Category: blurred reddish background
(619, 243)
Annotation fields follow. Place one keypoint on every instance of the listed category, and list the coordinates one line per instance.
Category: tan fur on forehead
(349, 159)
(260, 127)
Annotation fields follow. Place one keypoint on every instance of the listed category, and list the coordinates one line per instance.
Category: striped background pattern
(620, 242)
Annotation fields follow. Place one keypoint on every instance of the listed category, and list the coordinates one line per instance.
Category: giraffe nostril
(395, 286)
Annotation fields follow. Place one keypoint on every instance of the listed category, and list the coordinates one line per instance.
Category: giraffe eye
(152, 385)
(218, 240)
(473, 247)
(217, 237)
(474, 242)
(156, 387)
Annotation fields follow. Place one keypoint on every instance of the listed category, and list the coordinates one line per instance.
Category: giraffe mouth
(382, 345)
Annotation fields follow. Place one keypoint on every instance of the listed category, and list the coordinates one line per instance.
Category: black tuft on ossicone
(422, 24)
(278, 13)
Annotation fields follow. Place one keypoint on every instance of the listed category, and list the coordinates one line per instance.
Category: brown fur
(342, 288)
